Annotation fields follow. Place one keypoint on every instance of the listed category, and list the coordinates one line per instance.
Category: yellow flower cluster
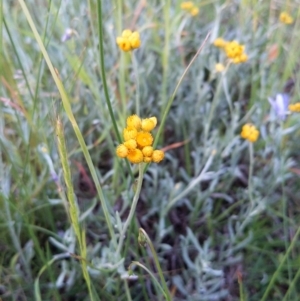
(137, 146)
(129, 40)
(233, 50)
(295, 107)
(249, 132)
(286, 18)
(219, 67)
(190, 7)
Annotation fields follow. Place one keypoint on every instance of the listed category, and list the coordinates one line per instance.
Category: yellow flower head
(194, 11)
(157, 156)
(235, 51)
(122, 151)
(144, 139)
(190, 7)
(135, 156)
(187, 5)
(295, 107)
(134, 121)
(137, 146)
(129, 133)
(249, 132)
(130, 144)
(219, 67)
(149, 124)
(129, 40)
(220, 43)
(286, 18)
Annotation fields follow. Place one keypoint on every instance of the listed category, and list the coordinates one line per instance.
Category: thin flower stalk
(145, 237)
(132, 209)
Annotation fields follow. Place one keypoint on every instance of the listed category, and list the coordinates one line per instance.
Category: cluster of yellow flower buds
(286, 18)
(137, 146)
(129, 40)
(295, 107)
(233, 50)
(249, 132)
(190, 7)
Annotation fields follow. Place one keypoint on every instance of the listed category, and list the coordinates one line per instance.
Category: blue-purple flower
(280, 105)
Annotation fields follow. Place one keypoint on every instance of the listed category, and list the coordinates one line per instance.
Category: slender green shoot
(280, 266)
(132, 209)
(145, 236)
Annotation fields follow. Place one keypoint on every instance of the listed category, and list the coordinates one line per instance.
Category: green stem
(276, 274)
(214, 104)
(166, 52)
(171, 99)
(1, 37)
(103, 74)
(152, 276)
(242, 296)
(155, 257)
(132, 209)
(37, 291)
(14, 237)
(192, 184)
(291, 286)
(137, 84)
(250, 189)
(101, 53)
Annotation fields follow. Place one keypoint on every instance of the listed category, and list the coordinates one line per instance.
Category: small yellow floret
(135, 43)
(130, 144)
(286, 18)
(157, 156)
(124, 44)
(219, 67)
(249, 132)
(144, 139)
(122, 151)
(135, 156)
(126, 33)
(147, 151)
(149, 124)
(187, 5)
(220, 43)
(129, 133)
(194, 11)
(295, 107)
(134, 121)
(147, 159)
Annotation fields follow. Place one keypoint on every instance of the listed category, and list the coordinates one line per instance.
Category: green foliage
(219, 216)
